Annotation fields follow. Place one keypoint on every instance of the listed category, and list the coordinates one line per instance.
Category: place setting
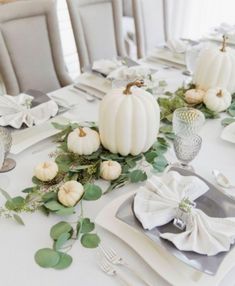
(116, 149)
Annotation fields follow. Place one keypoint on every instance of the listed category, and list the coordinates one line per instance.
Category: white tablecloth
(18, 244)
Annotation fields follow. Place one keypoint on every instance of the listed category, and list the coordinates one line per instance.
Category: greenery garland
(85, 169)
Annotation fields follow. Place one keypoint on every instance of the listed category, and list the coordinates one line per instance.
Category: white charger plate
(166, 265)
(23, 139)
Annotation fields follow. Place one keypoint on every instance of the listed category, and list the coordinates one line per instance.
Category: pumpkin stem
(82, 133)
(220, 93)
(138, 83)
(224, 43)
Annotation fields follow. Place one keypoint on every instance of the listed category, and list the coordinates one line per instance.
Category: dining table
(18, 244)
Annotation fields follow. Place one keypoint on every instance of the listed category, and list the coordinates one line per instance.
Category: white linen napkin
(130, 73)
(159, 202)
(106, 66)
(225, 29)
(176, 45)
(205, 235)
(15, 110)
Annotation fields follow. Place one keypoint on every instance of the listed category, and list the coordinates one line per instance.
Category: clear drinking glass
(187, 121)
(186, 149)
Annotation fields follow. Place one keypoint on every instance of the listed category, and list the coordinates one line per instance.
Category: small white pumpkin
(83, 141)
(70, 193)
(110, 170)
(194, 96)
(216, 67)
(46, 171)
(129, 120)
(217, 99)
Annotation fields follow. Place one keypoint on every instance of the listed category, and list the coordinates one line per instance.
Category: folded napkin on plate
(130, 73)
(106, 66)
(160, 202)
(15, 110)
(225, 29)
(176, 45)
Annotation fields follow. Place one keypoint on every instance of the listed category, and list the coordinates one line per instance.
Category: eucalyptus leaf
(166, 129)
(36, 181)
(53, 206)
(66, 211)
(170, 136)
(5, 194)
(64, 162)
(92, 192)
(49, 196)
(29, 190)
(137, 176)
(227, 121)
(160, 163)
(59, 126)
(15, 203)
(90, 240)
(87, 226)
(150, 156)
(60, 228)
(64, 262)
(47, 257)
(18, 219)
(61, 240)
(231, 109)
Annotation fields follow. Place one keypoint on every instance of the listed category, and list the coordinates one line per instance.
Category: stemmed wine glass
(187, 122)
(186, 149)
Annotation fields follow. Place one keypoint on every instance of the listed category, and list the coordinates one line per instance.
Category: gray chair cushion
(30, 49)
(150, 24)
(97, 26)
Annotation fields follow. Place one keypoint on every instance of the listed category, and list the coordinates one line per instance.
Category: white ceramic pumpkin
(46, 171)
(216, 67)
(83, 141)
(217, 99)
(110, 170)
(129, 120)
(70, 193)
(194, 96)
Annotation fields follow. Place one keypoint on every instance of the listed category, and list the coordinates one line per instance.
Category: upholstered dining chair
(30, 48)
(150, 24)
(97, 26)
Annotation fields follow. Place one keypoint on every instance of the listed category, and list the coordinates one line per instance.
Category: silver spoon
(222, 180)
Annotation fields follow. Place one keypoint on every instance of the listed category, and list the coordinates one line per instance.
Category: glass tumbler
(187, 121)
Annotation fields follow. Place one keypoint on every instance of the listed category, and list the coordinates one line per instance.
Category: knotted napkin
(161, 200)
(15, 110)
(106, 66)
(176, 45)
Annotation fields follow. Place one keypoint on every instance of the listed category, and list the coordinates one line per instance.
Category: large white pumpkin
(129, 120)
(216, 67)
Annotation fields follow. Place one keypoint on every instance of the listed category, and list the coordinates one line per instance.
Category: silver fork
(109, 270)
(114, 258)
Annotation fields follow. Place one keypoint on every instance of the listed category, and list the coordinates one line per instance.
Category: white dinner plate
(23, 139)
(162, 262)
(228, 133)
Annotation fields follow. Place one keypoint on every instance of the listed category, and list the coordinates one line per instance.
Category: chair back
(97, 26)
(150, 24)
(30, 48)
